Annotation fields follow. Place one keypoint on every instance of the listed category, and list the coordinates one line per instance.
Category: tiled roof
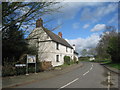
(56, 38)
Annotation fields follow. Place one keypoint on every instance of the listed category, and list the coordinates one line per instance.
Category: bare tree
(24, 13)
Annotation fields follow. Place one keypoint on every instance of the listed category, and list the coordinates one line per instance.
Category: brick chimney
(39, 23)
(60, 34)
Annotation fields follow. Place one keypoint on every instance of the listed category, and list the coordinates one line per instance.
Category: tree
(84, 52)
(102, 47)
(114, 48)
(13, 43)
(92, 51)
(16, 15)
(24, 13)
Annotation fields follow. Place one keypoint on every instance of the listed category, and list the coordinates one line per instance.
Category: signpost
(20, 65)
(30, 59)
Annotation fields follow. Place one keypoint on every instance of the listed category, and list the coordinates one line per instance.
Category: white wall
(47, 50)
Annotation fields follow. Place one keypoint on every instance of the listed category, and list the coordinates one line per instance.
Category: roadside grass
(114, 65)
(111, 64)
(106, 61)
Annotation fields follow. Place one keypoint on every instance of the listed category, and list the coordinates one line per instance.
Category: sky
(82, 23)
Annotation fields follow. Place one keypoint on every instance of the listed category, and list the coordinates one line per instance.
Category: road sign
(31, 58)
(20, 65)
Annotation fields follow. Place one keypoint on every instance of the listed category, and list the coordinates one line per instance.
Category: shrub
(77, 62)
(20, 70)
(75, 59)
(67, 60)
(8, 70)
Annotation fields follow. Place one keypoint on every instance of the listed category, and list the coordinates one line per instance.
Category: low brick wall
(46, 65)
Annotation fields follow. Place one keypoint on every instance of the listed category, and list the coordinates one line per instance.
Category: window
(71, 50)
(57, 46)
(66, 49)
(57, 58)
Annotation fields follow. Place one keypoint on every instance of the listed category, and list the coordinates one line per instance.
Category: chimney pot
(74, 47)
(39, 23)
(73, 44)
(60, 34)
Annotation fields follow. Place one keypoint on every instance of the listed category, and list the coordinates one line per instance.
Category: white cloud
(70, 9)
(76, 25)
(86, 26)
(97, 13)
(87, 43)
(101, 11)
(98, 27)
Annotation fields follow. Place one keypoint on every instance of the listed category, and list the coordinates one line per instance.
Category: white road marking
(68, 84)
(91, 68)
(92, 65)
(85, 73)
(75, 79)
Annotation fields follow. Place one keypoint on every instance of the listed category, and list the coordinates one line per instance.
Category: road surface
(91, 75)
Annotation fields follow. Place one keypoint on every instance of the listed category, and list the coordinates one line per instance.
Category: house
(51, 47)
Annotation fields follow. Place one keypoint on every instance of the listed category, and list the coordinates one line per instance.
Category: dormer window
(57, 46)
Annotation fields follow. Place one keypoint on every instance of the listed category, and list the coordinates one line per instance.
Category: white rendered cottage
(51, 47)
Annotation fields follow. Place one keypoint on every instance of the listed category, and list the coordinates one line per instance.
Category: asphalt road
(91, 75)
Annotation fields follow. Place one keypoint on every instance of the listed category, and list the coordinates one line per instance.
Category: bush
(20, 70)
(67, 60)
(8, 70)
(75, 59)
(38, 67)
(77, 62)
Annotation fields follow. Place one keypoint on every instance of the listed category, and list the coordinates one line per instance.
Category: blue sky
(83, 22)
(86, 18)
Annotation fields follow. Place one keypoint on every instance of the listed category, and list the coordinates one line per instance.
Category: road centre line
(85, 73)
(91, 68)
(92, 64)
(74, 79)
(88, 71)
(68, 83)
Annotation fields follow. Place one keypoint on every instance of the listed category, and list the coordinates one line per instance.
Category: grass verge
(114, 65)
(110, 64)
